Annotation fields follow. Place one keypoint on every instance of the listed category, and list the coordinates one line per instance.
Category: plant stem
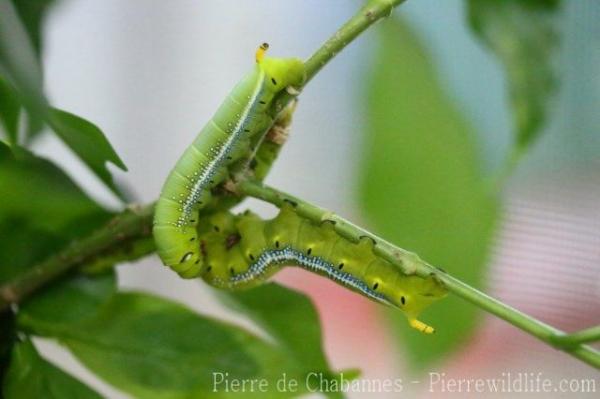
(591, 334)
(371, 12)
(135, 222)
(410, 263)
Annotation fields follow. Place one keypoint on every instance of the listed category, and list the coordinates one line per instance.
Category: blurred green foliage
(154, 348)
(21, 85)
(277, 317)
(525, 37)
(32, 377)
(421, 186)
(41, 210)
(88, 142)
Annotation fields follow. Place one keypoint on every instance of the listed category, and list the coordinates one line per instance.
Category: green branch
(371, 12)
(133, 223)
(411, 263)
(588, 335)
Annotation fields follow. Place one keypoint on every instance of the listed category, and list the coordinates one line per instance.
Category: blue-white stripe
(288, 254)
(220, 155)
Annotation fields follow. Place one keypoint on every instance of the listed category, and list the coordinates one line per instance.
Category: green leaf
(22, 246)
(154, 348)
(7, 339)
(88, 142)
(40, 212)
(10, 108)
(32, 13)
(19, 63)
(291, 319)
(35, 189)
(32, 377)
(276, 309)
(69, 300)
(420, 183)
(5, 151)
(524, 36)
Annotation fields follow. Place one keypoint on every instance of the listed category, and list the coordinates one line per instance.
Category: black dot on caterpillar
(226, 138)
(259, 248)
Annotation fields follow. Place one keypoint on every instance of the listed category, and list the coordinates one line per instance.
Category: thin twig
(373, 11)
(134, 222)
(588, 335)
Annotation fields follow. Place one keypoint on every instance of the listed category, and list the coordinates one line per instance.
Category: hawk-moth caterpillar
(242, 251)
(241, 120)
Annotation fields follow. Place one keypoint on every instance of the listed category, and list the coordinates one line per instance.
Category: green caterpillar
(240, 121)
(237, 252)
(243, 251)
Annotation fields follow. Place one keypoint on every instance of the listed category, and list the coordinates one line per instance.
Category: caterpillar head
(281, 72)
(414, 294)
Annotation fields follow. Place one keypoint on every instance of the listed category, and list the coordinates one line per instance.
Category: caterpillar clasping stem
(218, 248)
(240, 122)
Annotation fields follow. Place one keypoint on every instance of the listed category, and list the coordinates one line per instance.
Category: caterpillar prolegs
(225, 139)
(242, 251)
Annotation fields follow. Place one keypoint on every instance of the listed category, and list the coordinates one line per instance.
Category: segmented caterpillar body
(243, 251)
(225, 139)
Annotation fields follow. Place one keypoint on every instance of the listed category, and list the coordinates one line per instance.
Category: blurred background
(150, 73)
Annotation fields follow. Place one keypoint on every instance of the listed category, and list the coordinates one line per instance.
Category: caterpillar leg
(419, 325)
